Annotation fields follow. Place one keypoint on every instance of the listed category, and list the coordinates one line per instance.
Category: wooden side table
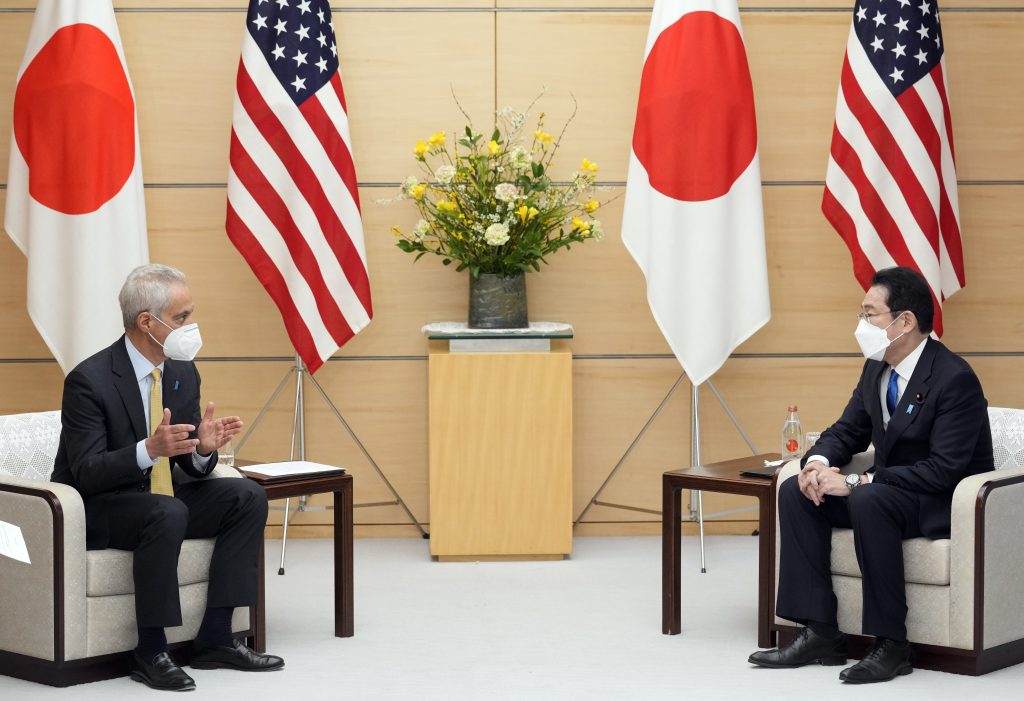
(341, 485)
(721, 477)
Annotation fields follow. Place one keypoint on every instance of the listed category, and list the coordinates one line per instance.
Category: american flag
(293, 202)
(890, 190)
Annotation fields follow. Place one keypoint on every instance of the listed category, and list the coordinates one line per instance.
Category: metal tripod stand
(297, 450)
(696, 497)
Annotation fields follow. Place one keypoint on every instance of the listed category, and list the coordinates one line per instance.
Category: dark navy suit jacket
(102, 420)
(938, 434)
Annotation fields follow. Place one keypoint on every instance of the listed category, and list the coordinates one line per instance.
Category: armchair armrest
(986, 556)
(45, 599)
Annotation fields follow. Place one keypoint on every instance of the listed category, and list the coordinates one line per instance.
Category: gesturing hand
(169, 440)
(215, 433)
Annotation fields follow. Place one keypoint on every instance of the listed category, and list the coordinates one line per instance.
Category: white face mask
(874, 341)
(182, 343)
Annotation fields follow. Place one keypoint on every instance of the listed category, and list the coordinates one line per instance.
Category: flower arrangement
(489, 205)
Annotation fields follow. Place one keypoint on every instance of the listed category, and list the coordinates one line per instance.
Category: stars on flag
(903, 40)
(301, 31)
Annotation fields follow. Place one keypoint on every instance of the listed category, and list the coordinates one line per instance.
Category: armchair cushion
(109, 572)
(925, 561)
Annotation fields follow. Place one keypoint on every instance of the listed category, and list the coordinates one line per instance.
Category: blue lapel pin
(910, 409)
(177, 383)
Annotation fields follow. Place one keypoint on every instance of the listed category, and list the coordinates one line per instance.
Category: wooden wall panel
(400, 58)
(745, 5)
(795, 91)
(184, 98)
(610, 318)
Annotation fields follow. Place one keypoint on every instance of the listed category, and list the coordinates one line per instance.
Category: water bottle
(792, 436)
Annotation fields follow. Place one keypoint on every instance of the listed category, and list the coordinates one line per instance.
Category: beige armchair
(963, 593)
(69, 616)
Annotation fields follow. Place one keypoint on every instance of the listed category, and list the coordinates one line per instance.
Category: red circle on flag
(695, 128)
(74, 121)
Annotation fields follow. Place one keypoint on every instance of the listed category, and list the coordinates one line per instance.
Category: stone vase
(497, 302)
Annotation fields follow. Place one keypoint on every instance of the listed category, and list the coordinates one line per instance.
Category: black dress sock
(152, 642)
(825, 630)
(216, 626)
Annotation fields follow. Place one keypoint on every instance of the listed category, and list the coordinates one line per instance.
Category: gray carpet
(586, 628)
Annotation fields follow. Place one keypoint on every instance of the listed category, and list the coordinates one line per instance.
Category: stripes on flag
(890, 189)
(293, 200)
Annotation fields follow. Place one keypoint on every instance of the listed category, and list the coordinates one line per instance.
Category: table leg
(258, 613)
(765, 572)
(344, 626)
(671, 537)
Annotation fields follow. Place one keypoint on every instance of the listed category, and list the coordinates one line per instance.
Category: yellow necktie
(160, 478)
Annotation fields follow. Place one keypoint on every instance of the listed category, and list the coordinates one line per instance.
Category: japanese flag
(693, 218)
(74, 187)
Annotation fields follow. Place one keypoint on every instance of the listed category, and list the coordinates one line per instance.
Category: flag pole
(297, 448)
(696, 497)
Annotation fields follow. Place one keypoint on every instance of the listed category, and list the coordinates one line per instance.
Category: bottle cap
(792, 407)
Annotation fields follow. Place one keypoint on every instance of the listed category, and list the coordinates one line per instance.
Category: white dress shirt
(904, 371)
(144, 374)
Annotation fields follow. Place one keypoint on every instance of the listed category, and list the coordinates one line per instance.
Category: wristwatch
(853, 481)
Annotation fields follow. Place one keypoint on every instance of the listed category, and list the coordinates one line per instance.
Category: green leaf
(447, 261)
(496, 136)
(469, 132)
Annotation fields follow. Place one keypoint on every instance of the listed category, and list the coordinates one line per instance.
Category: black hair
(908, 291)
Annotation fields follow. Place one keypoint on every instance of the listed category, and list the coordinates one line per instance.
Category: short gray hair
(147, 289)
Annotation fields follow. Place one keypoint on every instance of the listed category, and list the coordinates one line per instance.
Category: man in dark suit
(130, 416)
(923, 409)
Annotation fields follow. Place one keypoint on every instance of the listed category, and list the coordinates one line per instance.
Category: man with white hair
(130, 414)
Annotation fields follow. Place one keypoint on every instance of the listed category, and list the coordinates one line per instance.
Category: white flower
(496, 235)
(596, 230)
(445, 174)
(506, 192)
(409, 183)
(514, 117)
(519, 159)
(422, 227)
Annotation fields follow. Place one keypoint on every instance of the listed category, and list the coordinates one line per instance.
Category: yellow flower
(396, 231)
(493, 148)
(543, 137)
(580, 225)
(526, 213)
(591, 206)
(446, 206)
(589, 167)
(418, 191)
(421, 149)
(436, 139)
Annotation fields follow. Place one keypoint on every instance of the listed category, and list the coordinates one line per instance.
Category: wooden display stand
(500, 454)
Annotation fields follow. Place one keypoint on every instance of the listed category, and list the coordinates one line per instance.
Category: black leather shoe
(161, 673)
(887, 659)
(238, 656)
(808, 647)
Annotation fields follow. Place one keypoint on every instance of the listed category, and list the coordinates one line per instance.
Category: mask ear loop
(893, 322)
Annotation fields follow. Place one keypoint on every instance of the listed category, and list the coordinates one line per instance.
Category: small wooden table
(340, 483)
(722, 477)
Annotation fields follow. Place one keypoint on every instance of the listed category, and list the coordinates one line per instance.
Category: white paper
(286, 469)
(12, 543)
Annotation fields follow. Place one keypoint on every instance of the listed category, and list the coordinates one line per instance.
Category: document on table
(292, 468)
(12, 542)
